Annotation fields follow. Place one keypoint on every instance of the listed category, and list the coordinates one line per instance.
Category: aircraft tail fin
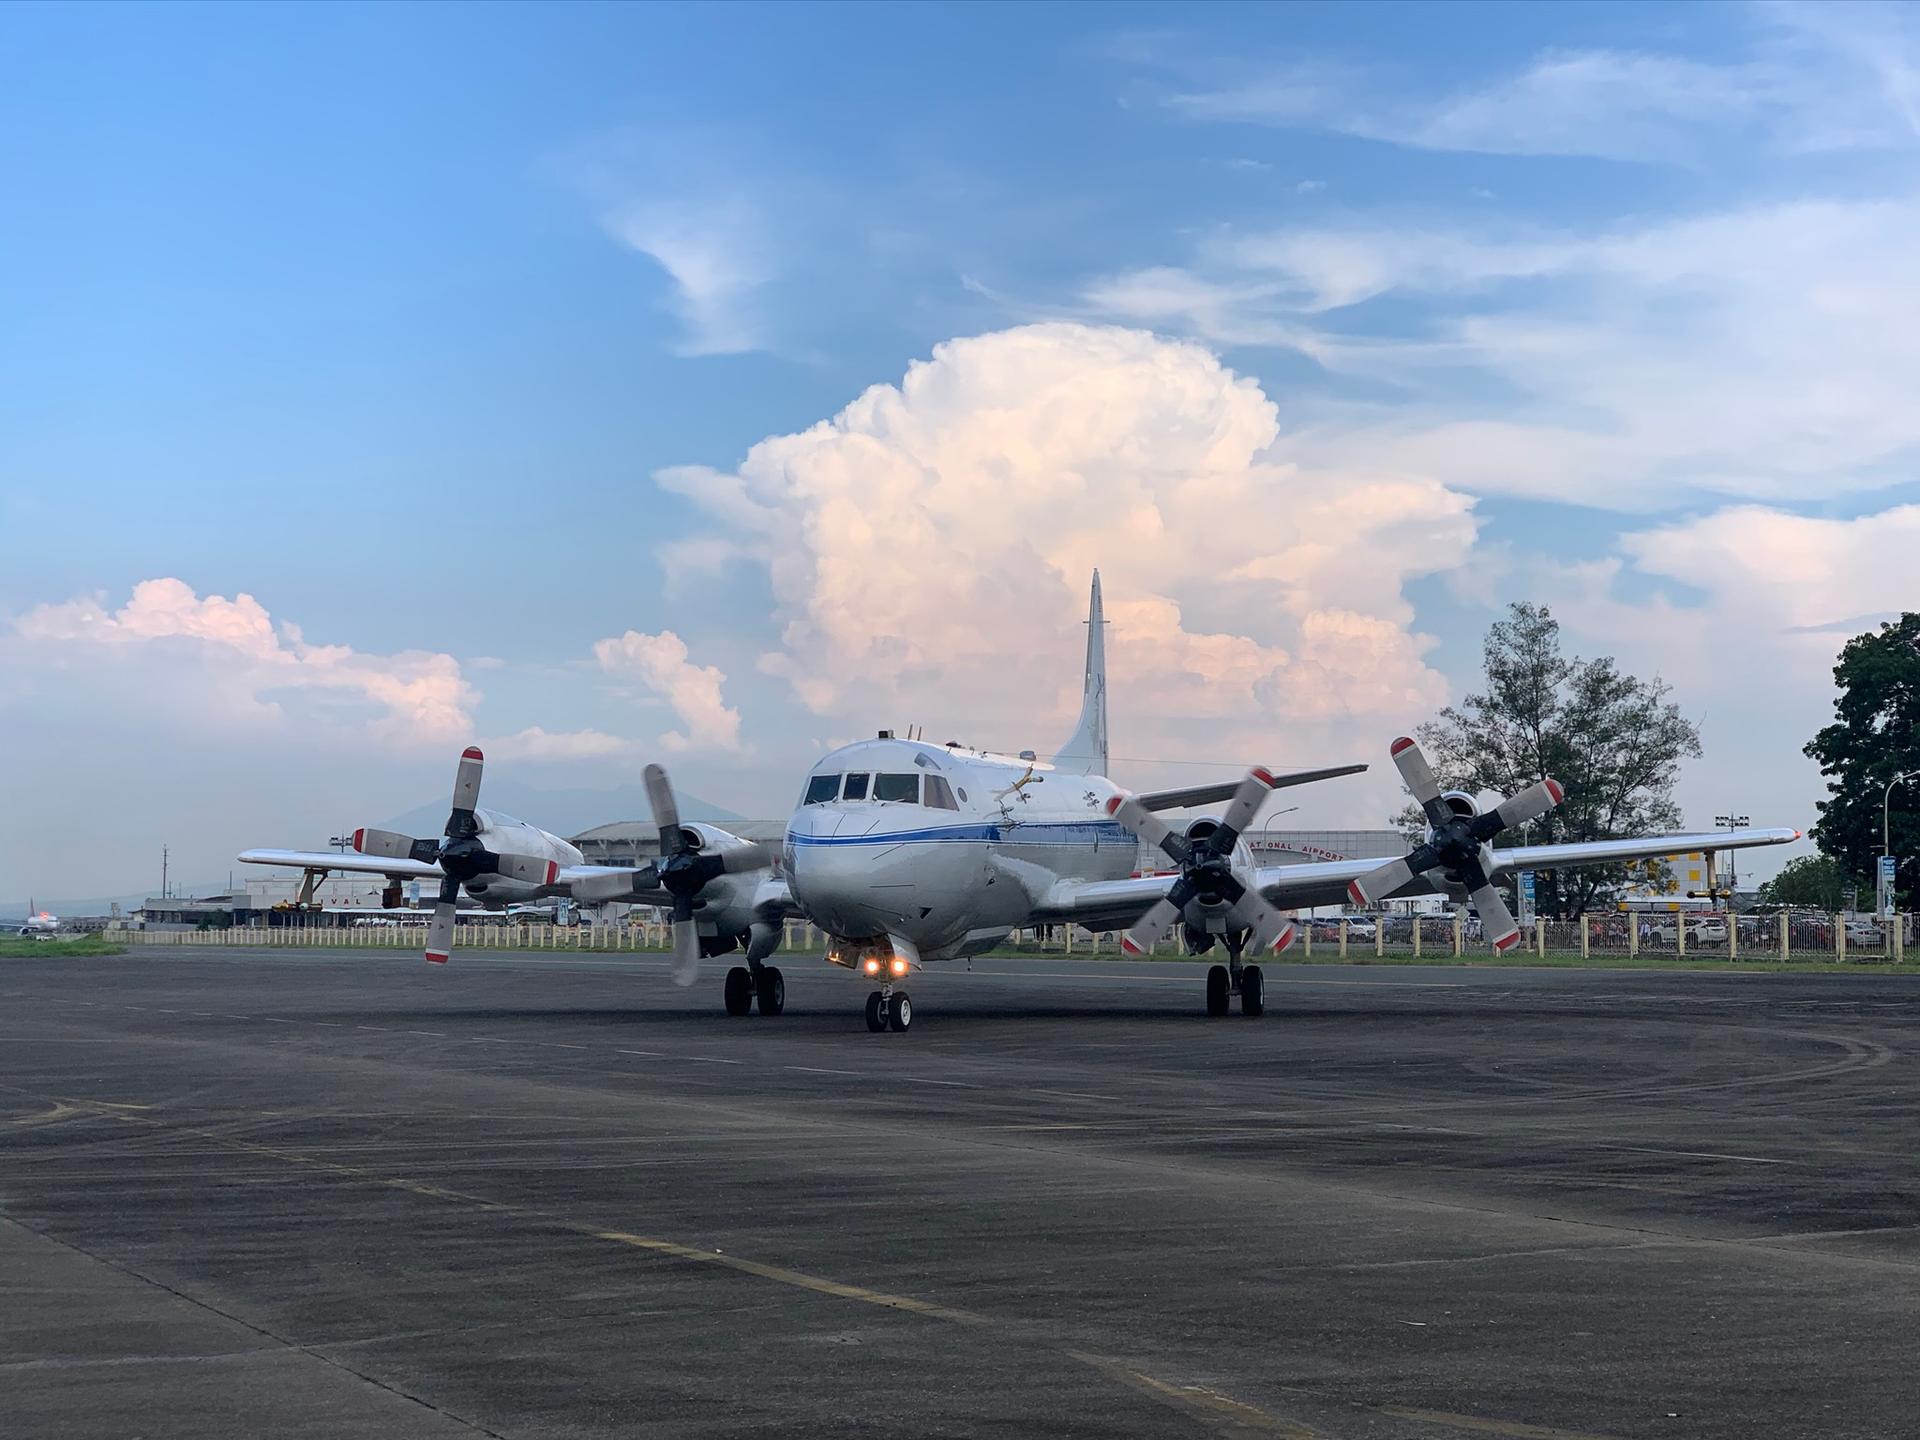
(1086, 752)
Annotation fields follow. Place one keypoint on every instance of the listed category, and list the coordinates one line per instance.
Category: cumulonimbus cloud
(929, 547)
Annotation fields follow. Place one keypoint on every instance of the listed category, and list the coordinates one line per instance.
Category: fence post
(1416, 935)
(1733, 936)
(1898, 931)
(1540, 938)
(1379, 936)
(1343, 937)
(1680, 934)
(1586, 937)
(1840, 937)
(1306, 937)
(1786, 928)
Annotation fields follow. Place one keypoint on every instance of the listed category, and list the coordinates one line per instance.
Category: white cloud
(929, 548)
(537, 744)
(712, 249)
(1809, 78)
(1762, 352)
(229, 662)
(660, 663)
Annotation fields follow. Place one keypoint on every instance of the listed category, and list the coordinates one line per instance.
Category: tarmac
(282, 1193)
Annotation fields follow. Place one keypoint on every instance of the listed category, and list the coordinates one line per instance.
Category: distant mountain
(562, 812)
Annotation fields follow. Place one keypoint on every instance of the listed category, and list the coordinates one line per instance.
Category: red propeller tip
(437, 957)
(1113, 805)
(1355, 894)
(472, 752)
(553, 872)
(359, 838)
(1286, 939)
(1126, 944)
(1555, 789)
(1405, 742)
(1507, 942)
(1264, 776)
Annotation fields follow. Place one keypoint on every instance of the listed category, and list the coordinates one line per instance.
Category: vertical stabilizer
(1086, 752)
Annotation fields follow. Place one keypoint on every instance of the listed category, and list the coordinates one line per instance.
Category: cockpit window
(902, 788)
(856, 787)
(821, 788)
(939, 795)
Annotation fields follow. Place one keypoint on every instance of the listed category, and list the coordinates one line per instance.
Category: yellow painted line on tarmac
(1482, 1425)
(1220, 1412)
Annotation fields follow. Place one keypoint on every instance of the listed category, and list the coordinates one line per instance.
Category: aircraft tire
(739, 991)
(1253, 991)
(1218, 984)
(876, 1012)
(899, 1012)
(771, 990)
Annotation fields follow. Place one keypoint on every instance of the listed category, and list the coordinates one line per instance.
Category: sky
(715, 384)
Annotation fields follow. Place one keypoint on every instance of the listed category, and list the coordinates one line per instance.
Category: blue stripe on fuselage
(1038, 832)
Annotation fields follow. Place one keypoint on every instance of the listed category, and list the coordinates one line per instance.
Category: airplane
(39, 922)
(906, 853)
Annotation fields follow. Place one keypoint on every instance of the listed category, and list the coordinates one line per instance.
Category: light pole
(1884, 886)
(1732, 822)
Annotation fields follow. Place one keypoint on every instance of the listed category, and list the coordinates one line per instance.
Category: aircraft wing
(1116, 904)
(349, 861)
(1222, 790)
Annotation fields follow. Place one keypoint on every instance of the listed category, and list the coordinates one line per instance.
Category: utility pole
(1884, 878)
(1731, 821)
(163, 872)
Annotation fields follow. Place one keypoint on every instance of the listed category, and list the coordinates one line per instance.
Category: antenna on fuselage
(1086, 752)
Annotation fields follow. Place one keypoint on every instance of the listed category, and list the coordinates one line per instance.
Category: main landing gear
(889, 1009)
(1225, 981)
(754, 981)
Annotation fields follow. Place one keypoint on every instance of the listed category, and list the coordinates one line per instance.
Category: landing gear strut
(889, 1009)
(1224, 981)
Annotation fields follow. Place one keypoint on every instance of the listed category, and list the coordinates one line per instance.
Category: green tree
(1875, 736)
(1815, 882)
(1615, 742)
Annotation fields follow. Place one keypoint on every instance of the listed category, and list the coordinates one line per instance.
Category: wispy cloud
(712, 249)
(1811, 78)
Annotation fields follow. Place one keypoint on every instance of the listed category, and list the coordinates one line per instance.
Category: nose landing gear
(1233, 978)
(889, 1009)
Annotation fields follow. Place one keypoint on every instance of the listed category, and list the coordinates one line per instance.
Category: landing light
(873, 967)
(899, 966)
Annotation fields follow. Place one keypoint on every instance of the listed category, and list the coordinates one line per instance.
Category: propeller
(683, 871)
(1455, 842)
(459, 854)
(1206, 869)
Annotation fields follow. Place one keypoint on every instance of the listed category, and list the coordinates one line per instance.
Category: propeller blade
(1530, 804)
(390, 844)
(1418, 778)
(1269, 926)
(1287, 936)
(1496, 921)
(466, 781)
(686, 952)
(1150, 927)
(616, 885)
(1149, 828)
(526, 868)
(440, 931)
(1376, 885)
(1245, 804)
(750, 856)
(666, 813)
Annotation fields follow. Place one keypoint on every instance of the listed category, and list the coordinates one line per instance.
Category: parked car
(1861, 931)
(1359, 927)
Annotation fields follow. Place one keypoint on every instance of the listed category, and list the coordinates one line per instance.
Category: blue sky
(407, 323)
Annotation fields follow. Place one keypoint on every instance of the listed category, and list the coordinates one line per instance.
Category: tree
(1815, 882)
(1875, 736)
(1615, 742)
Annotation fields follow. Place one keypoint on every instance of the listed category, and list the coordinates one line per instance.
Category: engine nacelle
(1461, 803)
(1467, 808)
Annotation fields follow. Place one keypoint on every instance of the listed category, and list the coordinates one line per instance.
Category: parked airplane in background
(39, 922)
(904, 853)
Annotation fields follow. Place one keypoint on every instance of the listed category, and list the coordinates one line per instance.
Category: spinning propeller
(460, 855)
(1206, 869)
(682, 870)
(1455, 843)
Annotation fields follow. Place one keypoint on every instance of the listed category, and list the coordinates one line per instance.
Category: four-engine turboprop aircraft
(906, 853)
